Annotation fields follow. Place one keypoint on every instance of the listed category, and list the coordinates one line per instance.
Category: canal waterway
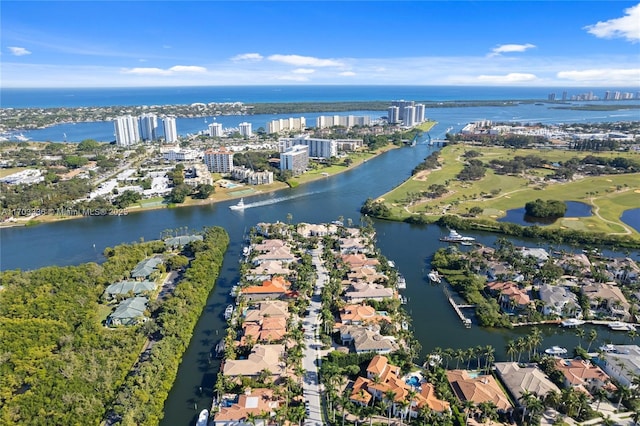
(409, 246)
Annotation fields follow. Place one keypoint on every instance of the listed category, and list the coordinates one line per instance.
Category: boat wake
(275, 200)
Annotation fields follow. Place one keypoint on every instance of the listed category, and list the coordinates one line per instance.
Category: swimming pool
(413, 381)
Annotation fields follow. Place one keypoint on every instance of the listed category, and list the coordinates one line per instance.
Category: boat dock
(457, 308)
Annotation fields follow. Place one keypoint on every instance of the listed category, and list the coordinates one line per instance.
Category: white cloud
(627, 27)
(513, 77)
(303, 71)
(177, 69)
(248, 57)
(187, 68)
(18, 51)
(508, 48)
(347, 73)
(304, 61)
(603, 75)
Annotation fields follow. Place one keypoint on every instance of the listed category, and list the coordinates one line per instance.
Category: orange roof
(428, 393)
(358, 392)
(482, 388)
(377, 365)
(579, 371)
(275, 285)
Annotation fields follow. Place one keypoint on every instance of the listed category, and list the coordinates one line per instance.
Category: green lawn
(612, 194)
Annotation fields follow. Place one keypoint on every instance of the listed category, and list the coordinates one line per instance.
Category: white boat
(455, 237)
(621, 326)
(245, 251)
(203, 418)
(434, 276)
(239, 206)
(556, 350)
(228, 312)
(402, 283)
(234, 291)
(572, 322)
(607, 348)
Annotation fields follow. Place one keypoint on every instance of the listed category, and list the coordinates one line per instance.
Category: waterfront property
(478, 388)
(519, 379)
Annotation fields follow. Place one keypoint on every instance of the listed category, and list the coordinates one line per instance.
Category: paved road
(311, 359)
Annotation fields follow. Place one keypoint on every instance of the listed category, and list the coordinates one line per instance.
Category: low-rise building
(253, 408)
(518, 379)
(478, 388)
(262, 358)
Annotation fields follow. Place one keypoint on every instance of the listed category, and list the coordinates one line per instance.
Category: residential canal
(434, 322)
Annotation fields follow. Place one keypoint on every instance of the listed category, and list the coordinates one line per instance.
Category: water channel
(434, 322)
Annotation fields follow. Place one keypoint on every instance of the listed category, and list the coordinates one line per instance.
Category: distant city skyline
(209, 43)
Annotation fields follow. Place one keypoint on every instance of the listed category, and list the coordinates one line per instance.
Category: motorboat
(402, 283)
(572, 322)
(203, 418)
(434, 276)
(239, 205)
(228, 312)
(608, 348)
(555, 350)
(455, 237)
(621, 326)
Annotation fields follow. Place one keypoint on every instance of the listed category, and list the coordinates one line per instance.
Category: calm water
(632, 218)
(69, 97)
(411, 247)
(574, 209)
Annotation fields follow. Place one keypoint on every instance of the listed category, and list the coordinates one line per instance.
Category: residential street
(312, 353)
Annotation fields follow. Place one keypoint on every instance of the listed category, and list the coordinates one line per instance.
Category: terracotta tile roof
(428, 397)
(578, 371)
(275, 285)
(478, 389)
(256, 402)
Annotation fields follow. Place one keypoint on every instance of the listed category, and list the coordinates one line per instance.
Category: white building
(286, 124)
(295, 159)
(245, 129)
(148, 127)
(215, 130)
(420, 113)
(402, 104)
(622, 362)
(347, 121)
(176, 153)
(251, 177)
(318, 148)
(220, 161)
(393, 115)
(409, 116)
(170, 131)
(126, 130)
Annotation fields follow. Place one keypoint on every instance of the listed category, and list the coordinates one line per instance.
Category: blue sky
(167, 43)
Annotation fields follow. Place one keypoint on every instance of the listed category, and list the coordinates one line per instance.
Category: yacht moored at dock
(434, 277)
(621, 326)
(203, 418)
(228, 312)
(572, 322)
(556, 350)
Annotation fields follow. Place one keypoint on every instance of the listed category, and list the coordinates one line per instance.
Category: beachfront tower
(245, 129)
(148, 127)
(126, 130)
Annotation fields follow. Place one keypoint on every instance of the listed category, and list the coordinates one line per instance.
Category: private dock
(457, 308)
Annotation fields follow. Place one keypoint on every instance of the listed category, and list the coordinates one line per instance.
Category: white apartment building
(393, 115)
(220, 161)
(176, 153)
(215, 130)
(286, 124)
(245, 129)
(347, 121)
(295, 159)
(402, 104)
(318, 148)
(170, 131)
(409, 116)
(126, 130)
(420, 113)
(251, 177)
(148, 127)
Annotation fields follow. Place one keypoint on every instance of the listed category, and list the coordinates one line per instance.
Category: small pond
(518, 216)
(631, 217)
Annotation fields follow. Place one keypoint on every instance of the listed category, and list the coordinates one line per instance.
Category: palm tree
(593, 335)
(623, 392)
(511, 349)
(536, 339)
(467, 405)
(525, 399)
(599, 395)
(488, 356)
(478, 351)
(390, 397)
(580, 334)
(460, 356)
(521, 344)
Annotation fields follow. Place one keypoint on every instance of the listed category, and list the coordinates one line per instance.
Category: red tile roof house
(579, 373)
(275, 288)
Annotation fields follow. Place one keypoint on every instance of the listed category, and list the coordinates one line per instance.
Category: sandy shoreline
(221, 194)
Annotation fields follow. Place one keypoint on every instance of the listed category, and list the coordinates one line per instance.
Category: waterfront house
(357, 314)
(367, 339)
(124, 288)
(478, 388)
(622, 363)
(266, 330)
(356, 260)
(367, 274)
(267, 309)
(559, 300)
(582, 374)
(575, 264)
(145, 268)
(624, 270)
(312, 230)
(498, 270)
(129, 312)
(276, 288)
(268, 269)
(281, 254)
(262, 358)
(353, 245)
(359, 292)
(518, 378)
(261, 404)
(539, 254)
(607, 296)
(510, 295)
(181, 241)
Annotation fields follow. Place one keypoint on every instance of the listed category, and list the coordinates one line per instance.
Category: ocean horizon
(129, 96)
